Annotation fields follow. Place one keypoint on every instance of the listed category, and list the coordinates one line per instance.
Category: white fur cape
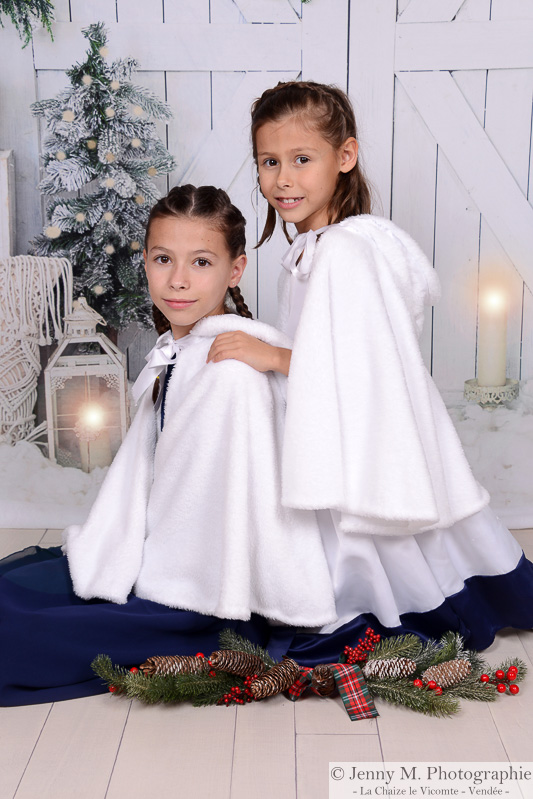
(194, 520)
(367, 432)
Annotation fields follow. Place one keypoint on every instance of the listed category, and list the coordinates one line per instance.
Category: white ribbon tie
(165, 352)
(303, 245)
(298, 261)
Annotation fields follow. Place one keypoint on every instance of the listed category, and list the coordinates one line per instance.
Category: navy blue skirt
(49, 636)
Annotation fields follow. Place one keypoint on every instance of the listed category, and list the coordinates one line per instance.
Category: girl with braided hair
(187, 535)
(412, 544)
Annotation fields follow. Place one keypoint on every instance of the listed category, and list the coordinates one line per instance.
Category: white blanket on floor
(367, 432)
(195, 520)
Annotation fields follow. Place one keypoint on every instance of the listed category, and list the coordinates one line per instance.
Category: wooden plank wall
(461, 168)
(442, 92)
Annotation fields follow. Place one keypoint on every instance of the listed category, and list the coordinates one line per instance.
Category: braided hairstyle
(213, 205)
(330, 112)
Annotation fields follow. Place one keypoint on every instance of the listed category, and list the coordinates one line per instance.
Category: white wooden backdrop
(443, 95)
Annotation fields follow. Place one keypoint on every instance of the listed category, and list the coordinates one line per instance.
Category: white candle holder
(490, 397)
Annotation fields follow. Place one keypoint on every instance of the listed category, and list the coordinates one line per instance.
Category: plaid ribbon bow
(351, 685)
(301, 684)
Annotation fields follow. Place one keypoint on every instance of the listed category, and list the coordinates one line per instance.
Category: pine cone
(241, 663)
(174, 664)
(277, 679)
(322, 680)
(389, 667)
(448, 673)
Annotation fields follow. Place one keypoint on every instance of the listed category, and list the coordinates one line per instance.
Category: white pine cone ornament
(277, 679)
(448, 673)
(174, 664)
(389, 667)
(234, 662)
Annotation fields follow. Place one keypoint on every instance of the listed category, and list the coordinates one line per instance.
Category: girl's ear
(239, 265)
(144, 256)
(348, 154)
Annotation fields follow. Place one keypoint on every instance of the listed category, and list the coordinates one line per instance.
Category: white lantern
(86, 394)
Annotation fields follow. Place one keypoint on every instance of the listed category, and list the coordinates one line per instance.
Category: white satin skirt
(392, 575)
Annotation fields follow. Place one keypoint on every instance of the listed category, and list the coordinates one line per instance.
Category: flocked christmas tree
(101, 155)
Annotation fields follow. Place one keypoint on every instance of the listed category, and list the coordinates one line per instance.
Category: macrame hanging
(35, 293)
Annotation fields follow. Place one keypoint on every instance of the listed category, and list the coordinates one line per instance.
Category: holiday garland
(429, 677)
(101, 155)
(25, 13)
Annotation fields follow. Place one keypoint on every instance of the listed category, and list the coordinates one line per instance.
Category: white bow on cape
(164, 352)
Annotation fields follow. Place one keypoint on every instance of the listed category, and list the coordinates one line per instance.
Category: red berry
(418, 683)
(112, 688)
(501, 688)
(212, 674)
(200, 655)
(499, 674)
(134, 670)
(485, 678)
(513, 689)
(438, 690)
(512, 673)
(432, 685)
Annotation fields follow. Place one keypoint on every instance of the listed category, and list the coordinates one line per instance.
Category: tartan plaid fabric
(301, 684)
(354, 691)
(351, 685)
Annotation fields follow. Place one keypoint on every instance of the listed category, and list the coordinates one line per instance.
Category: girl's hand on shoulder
(248, 349)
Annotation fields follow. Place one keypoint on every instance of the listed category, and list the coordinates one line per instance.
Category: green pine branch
(428, 655)
(229, 639)
(200, 689)
(403, 692)
(471, 688)
(451, 646)
(478, 663)
(398, 646)
(25, 13)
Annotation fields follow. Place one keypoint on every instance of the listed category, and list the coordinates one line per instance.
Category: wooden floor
(109, 747)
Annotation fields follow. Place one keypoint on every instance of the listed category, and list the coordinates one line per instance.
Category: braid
(160, 320)
(330, 111)
(156, 389)
(161, 325)
(238, 299)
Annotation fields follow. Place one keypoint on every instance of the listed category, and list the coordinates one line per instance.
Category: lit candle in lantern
(492, 339)
(95, 447)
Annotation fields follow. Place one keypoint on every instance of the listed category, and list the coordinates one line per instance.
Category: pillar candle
(492, 339)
